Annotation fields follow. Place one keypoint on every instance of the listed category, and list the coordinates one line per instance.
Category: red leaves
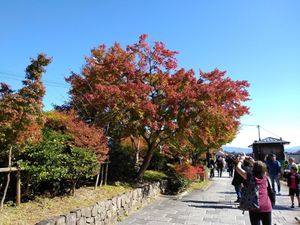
(83, 135)
(190, 172)
(140, 91)
(21, 112)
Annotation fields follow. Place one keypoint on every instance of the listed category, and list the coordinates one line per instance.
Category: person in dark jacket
(211, 166)
(230, 165)
(238, 181)
(220, 165)
(274, 168)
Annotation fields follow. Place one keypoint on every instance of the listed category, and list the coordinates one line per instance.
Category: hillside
(249, 150)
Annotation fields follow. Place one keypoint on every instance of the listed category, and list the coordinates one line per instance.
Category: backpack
(249, 195)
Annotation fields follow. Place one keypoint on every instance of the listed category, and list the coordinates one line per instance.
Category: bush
(180, 176)
(153, 176)
(52, 165)
(190, 172)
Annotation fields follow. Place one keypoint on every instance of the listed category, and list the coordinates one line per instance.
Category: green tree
(55, 162)
(21, 113)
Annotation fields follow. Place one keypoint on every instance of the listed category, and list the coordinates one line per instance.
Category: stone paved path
(214, 206)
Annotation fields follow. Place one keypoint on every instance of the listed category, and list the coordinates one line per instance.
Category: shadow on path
(281, 207)
(227, 192)
(211, 204)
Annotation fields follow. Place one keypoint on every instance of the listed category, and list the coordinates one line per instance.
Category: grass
(198, 185)
(43, 208)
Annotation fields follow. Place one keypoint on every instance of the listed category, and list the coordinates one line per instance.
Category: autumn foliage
(140, 92)
(190, 172)
(21, 111)
(82, 134)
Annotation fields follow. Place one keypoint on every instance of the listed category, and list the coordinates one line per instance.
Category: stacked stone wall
(111, 210)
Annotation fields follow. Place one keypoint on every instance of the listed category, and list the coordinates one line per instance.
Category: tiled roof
(270, 140)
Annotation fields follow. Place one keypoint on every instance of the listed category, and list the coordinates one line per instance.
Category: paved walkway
(214, 206)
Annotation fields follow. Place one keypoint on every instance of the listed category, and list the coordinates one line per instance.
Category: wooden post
(18, 188)
(97, 179)
(102, 171)
(106, 172)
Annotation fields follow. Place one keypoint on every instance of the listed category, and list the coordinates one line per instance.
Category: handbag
(271, 193)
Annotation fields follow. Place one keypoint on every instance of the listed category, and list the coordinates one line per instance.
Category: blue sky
(254, 40)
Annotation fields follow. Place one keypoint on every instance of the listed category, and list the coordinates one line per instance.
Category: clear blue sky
(256, 40)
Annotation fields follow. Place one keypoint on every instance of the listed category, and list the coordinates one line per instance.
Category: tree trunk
(146, 163)
(74, 182)
(136, 148)
(8, 178)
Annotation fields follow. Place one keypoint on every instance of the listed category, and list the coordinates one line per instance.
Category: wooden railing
(18, 183)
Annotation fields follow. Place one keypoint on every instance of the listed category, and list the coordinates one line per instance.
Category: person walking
(220, 165)
(211, 166)
(230, 165)
(237, 182)
(264, 212)
(293, 181)
(274, 169)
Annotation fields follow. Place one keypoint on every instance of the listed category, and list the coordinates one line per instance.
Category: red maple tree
(140, 92)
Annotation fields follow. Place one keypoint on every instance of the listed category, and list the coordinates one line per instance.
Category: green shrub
(53, 164)
(176, 182)
(153, 176)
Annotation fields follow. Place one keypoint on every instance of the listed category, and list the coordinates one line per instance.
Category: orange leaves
(190, 172)
(83, 135)
(21, 112)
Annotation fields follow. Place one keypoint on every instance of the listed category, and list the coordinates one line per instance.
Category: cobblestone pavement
(213, 206)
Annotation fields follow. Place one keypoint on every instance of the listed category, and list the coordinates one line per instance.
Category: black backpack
(249, 195)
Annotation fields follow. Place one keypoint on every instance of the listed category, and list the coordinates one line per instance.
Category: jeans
(264, 217)
(220, 170)
(238, 191)
(275, 178)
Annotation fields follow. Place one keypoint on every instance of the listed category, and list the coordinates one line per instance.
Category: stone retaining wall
(109, 211)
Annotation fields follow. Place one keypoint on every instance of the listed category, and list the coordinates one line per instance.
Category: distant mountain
(292, 149)
(249, 150)
(237, 149)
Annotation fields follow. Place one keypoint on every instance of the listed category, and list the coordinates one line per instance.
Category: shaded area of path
(213, 206)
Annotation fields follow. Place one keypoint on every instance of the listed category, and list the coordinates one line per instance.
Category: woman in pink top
(264, 212)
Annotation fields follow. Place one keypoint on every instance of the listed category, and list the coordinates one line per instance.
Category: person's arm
(279, 168)
(239, 168)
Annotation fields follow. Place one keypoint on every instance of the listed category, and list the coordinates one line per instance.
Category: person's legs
(291, 194)
(238, 192)
(292, 200)
(254, 218)
(266, 218)
(230, 171)
(221, 170)
(272, 181)
(298, 198)
(278, 183)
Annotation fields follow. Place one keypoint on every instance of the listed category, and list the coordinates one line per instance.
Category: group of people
(245, 167)
(220, 164)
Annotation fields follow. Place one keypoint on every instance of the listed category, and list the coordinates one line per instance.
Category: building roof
(270, 140)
